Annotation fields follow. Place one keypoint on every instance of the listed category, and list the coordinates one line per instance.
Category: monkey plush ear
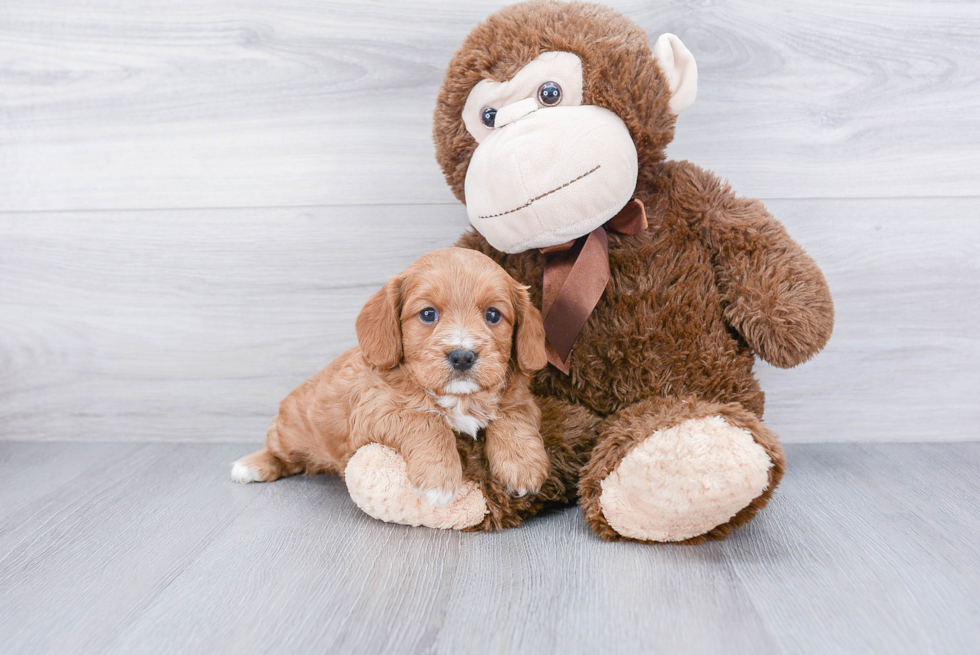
(379, 328)
(678, 64)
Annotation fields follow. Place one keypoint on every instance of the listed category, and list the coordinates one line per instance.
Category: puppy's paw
(438, 497)
(521, 476)
(262, 466)
(243, 473)
(437, 484)
(521, 479)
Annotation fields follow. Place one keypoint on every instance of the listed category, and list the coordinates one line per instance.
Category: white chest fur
(463, 416)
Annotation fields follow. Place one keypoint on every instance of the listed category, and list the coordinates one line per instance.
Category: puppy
(446, 347)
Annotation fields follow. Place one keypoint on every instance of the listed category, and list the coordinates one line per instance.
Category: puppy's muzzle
(462, 360)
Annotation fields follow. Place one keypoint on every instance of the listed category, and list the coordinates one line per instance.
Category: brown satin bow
(575, 275)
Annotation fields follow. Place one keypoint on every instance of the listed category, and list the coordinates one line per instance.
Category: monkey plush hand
(658, 285)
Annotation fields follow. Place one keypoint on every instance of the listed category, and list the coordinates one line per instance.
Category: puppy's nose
(461, 360)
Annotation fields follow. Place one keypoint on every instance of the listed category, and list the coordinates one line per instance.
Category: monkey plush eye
(492, 316)
(549, 94)
(488, 116)
(428, 315)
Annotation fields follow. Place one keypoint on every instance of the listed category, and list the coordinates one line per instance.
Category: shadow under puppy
(446, 348)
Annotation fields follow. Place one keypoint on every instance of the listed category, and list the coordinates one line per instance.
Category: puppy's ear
(379, 327)
(529, 335)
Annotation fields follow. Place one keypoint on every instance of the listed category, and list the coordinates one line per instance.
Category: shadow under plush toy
(657, 284)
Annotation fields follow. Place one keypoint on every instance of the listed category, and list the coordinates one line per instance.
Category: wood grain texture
(879, 544)
(568, 592)
(238, 103)
(296, 136)
(865, 548)
(903, 363)
(187, 325)
(78, 563)
(192, 325)
(33, 471)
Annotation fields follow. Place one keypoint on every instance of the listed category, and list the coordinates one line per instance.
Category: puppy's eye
(488, 116)
(549, 94)
(428, 315)
(491, 316)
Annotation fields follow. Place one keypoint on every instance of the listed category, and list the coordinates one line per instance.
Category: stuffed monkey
(658, 284)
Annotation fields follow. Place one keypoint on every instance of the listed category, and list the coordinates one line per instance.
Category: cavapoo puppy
(446, 347)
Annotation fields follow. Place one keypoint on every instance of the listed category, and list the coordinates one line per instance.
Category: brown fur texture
(615, 58)
(569, 439)
(712, 282)
(398, 389)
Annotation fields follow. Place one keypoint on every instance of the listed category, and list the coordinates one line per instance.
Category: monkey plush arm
(773, 293)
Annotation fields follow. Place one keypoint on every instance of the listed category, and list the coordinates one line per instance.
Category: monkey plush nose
(513, 111)
(461, 360)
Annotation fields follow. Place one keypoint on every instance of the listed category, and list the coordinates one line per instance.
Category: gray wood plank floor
(151, 548)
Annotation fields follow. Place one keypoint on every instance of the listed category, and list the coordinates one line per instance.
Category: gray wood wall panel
(186, 325)
(192, 325)
(241, 103)
(904, 361)
(124, 317)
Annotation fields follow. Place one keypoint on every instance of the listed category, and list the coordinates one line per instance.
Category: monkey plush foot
(378, 483)
(683, 472)
(683, 481)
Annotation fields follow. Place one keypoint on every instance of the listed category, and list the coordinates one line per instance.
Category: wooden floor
(129, 548)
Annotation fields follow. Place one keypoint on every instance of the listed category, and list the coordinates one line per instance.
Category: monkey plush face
(547, 113)
(548, 168)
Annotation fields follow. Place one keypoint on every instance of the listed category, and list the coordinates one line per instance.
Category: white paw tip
(242, 473)
(438, 497)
